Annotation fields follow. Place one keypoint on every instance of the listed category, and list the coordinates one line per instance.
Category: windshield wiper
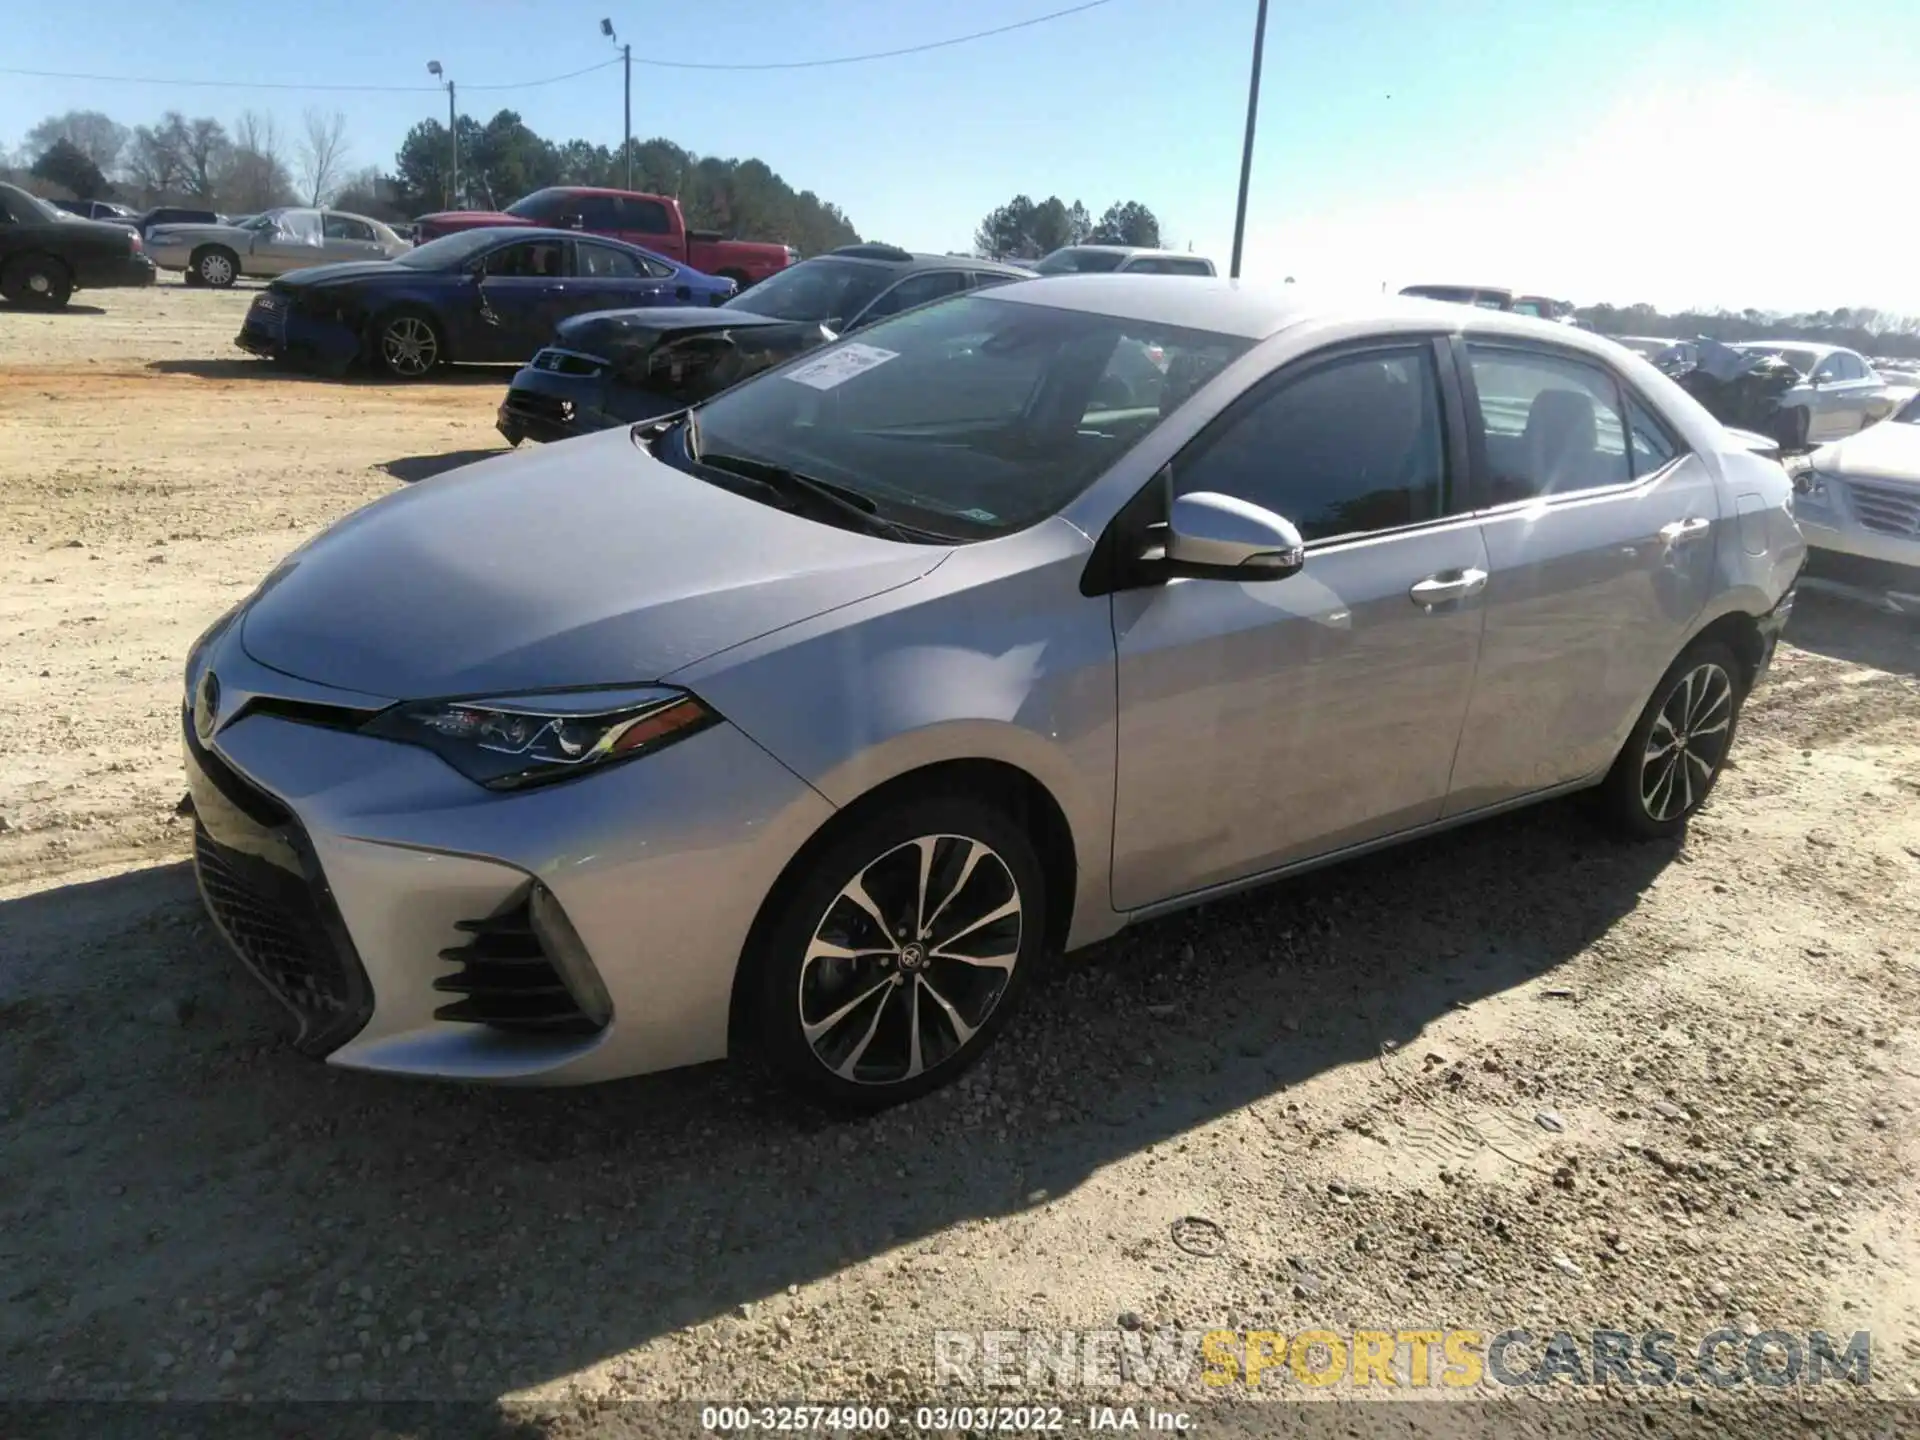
(845, 503)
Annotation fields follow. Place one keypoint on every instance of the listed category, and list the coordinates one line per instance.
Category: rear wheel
(216, 266)
(1679, 746)
(408, 345)
(38, 282)
(901, 951)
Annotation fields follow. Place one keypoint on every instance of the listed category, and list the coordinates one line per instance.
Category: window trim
(1624, 393)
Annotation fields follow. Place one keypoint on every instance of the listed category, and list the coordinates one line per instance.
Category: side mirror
(1221, 537)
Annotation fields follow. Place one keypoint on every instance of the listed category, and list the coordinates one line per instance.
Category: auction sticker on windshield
(839, 366)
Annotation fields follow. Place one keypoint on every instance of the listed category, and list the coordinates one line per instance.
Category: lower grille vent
(507, 980)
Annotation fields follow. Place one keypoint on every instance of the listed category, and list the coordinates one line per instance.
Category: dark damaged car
(482, 297)
(619, 367)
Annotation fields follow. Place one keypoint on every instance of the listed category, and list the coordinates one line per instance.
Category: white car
(271, 243)
(1838, 393)
(1858, 504)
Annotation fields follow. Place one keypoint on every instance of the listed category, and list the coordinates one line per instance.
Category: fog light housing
(564, 948)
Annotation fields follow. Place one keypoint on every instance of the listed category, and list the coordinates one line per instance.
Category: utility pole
(1246, 151)
(453, 135)
(626, 54)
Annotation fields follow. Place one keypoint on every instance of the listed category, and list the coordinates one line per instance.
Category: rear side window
(648, 217)
(1552, 424)
(603, 262)
(1353, 446)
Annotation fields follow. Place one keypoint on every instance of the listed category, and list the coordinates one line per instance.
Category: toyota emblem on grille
(206, 707)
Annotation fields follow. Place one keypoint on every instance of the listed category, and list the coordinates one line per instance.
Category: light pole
(626, 53)
(1246, 150)
(453, 133)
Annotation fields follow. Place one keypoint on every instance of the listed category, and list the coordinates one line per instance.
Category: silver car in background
(807, 723)
(1838, 393)
(271, 243)
(1858, 503)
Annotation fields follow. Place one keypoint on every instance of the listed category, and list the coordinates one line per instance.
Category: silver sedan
(807, 724)
(271, 243)
(1858, 502)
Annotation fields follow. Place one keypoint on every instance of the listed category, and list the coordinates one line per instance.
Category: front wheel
(896, 958)
(216, 267)
(408, 346)
(1679, 746)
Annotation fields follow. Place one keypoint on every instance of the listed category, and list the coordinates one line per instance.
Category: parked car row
(805, 721)
(46, 254)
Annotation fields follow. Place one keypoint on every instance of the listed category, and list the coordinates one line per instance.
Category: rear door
(608, 278)
(1600, 529)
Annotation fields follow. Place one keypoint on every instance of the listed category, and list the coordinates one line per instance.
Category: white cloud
(1731, 192)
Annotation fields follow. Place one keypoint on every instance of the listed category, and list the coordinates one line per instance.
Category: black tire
(865, 1059)
(1660, 780)
(37, 282)
(407, 344)
(216, 266)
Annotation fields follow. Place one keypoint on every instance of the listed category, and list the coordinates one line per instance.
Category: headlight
(1811, 486)
(522, 740)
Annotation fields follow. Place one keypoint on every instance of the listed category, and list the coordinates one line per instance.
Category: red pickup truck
(651, 221)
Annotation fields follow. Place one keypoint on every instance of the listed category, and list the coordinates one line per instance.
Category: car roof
(1255, 312)
(1124, 250)
(920, 260)
(1818, 347)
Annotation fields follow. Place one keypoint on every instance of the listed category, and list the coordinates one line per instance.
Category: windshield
(26, 205)
(821, 289)
(449, 252)
(1074, 260)
(1801, 360)
(531, 207)
(971, 417)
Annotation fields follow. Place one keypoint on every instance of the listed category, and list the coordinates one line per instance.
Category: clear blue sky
(1591, 149)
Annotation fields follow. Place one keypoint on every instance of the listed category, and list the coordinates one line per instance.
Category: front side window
(340, 227)
(1354, 445)
(1552, 424)
(603, 262)
(528, 260)
(971, 418)
(916, 290)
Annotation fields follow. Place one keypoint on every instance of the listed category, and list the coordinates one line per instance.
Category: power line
(571, 74)
(876, 54)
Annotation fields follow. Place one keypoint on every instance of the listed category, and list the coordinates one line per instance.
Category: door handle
(1682, 530)
(1447, 586)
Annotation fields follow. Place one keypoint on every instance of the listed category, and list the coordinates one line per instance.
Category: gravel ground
(1520, 1075)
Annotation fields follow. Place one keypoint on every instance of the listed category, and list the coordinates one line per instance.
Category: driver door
(1263, 723)
(521, 296)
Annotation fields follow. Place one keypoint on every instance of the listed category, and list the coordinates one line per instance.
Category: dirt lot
(1517, 1076)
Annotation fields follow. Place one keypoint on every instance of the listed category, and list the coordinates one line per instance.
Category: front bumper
(1863, 539)
(122, 272)
(360, 857)
(273, 329)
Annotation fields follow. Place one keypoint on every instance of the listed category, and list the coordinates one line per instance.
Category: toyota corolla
(806, 724)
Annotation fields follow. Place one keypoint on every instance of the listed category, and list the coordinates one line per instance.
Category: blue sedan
(480, 297)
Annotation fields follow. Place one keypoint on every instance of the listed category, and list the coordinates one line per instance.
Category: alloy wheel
(409, 346)
(910, 959)
(1688, 742)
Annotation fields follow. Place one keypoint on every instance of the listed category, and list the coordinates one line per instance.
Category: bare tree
(256, 175)
(156, 160)
(203, 155)
(323, 155)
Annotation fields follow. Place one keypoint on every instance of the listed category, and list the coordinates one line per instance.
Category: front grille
(1886, 509)
(566, 362)
(506, 979)
(281, 926)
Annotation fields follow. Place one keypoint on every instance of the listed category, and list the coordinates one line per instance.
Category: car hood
(1889, 450)
(344, 270)
(578, 564)
(685, 354)
(616, 330)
